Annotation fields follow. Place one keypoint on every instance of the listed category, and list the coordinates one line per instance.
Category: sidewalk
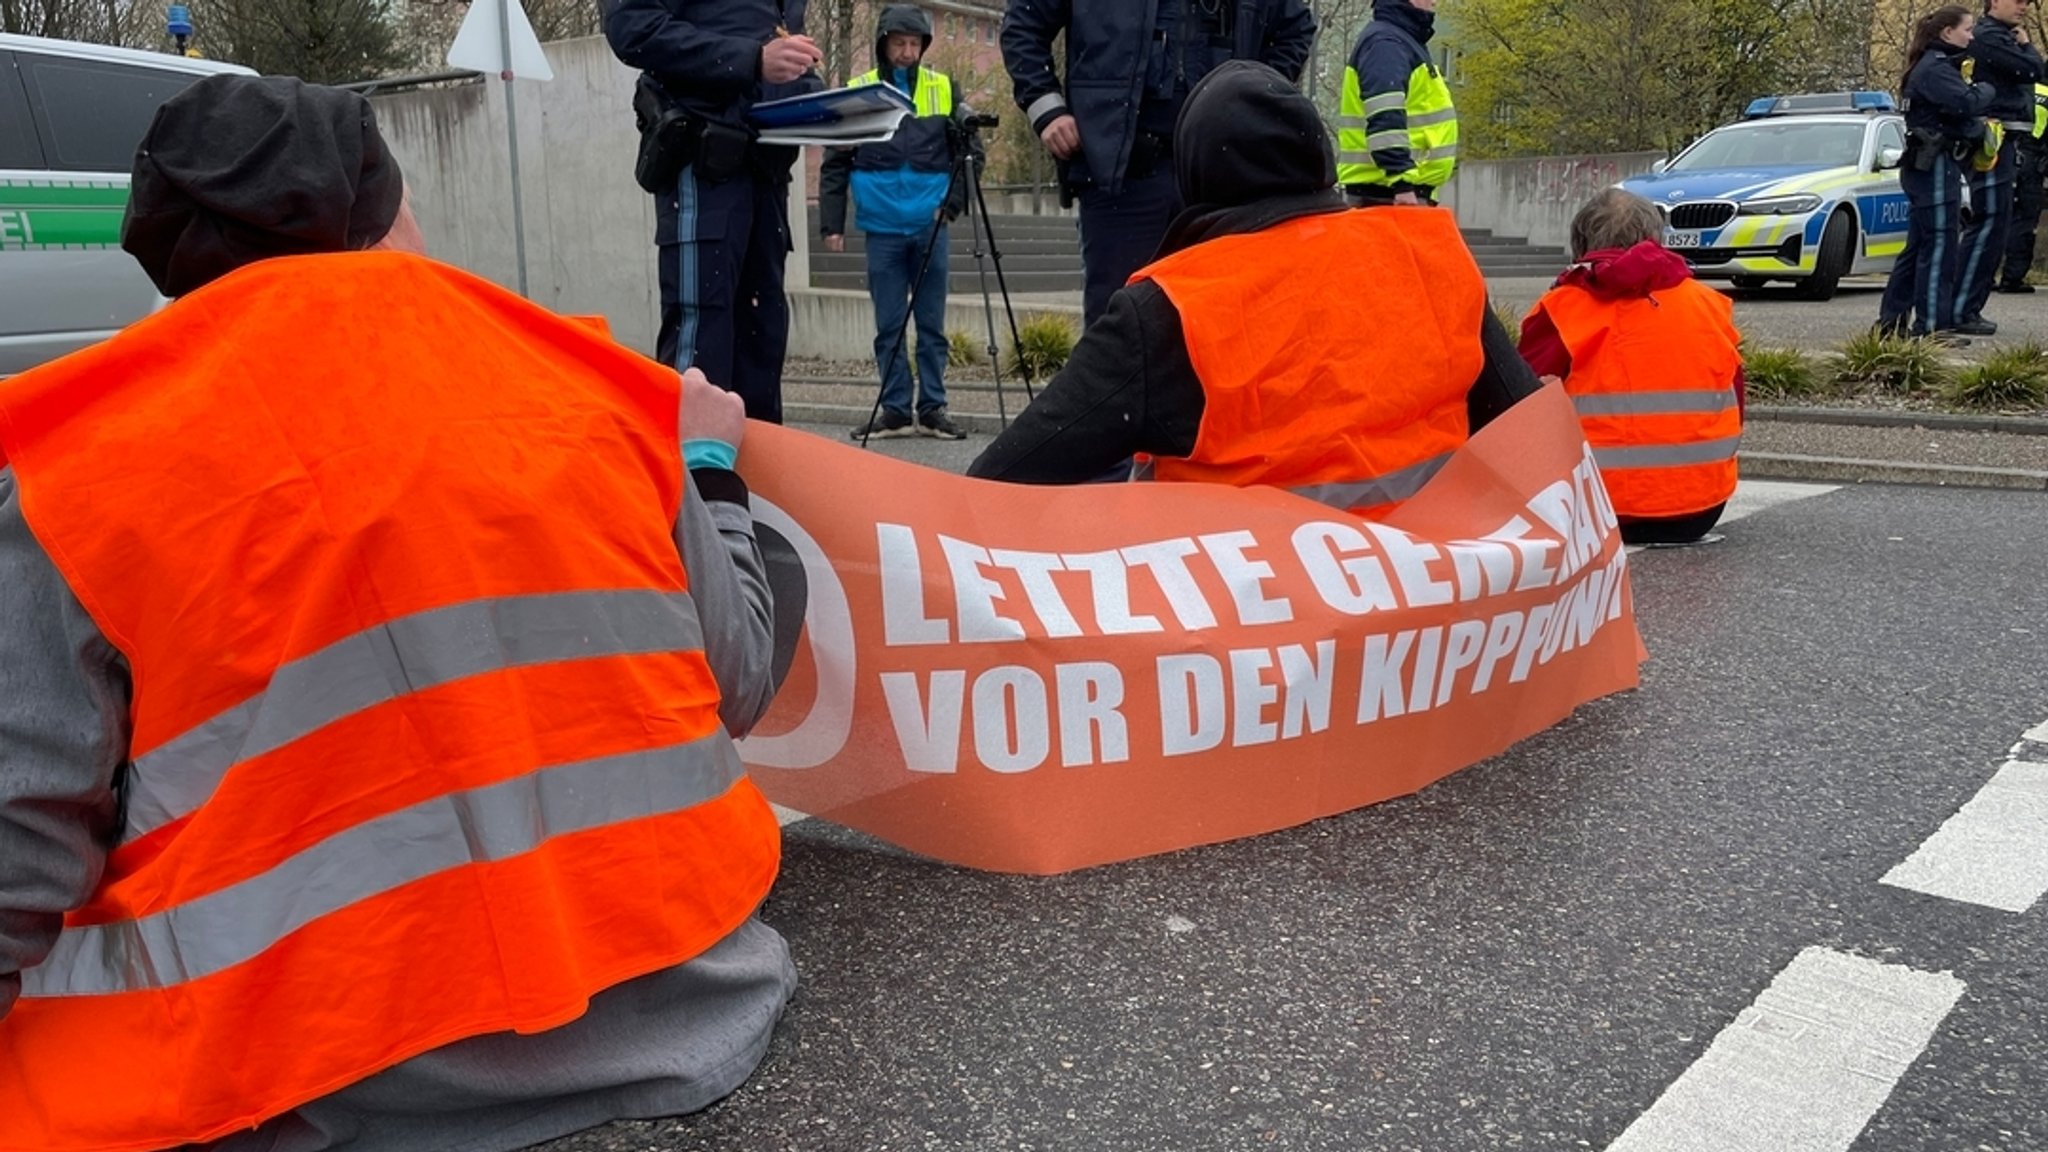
(1833, 445)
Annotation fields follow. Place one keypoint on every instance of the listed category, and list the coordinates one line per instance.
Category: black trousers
(2030, 167)
(1983, 240)
(723, 245)
(1921, 295)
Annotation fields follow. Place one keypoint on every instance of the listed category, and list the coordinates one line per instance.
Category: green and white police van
(71, 116)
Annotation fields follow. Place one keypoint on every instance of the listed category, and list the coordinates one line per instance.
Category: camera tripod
(967, 163)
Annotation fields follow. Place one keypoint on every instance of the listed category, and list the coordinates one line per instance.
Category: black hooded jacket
(1250, 154)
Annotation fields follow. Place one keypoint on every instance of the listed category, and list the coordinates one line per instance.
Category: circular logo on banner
(810, 606)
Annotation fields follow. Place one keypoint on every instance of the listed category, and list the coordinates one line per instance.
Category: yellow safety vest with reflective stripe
(934, 95)
(1431, 135)
(2040, 110)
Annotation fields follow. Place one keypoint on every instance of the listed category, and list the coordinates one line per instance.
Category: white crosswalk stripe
(1806, 1066)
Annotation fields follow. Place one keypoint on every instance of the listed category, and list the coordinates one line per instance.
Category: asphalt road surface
(1782, 896)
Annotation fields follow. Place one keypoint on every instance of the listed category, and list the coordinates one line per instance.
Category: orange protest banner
(1042, 679)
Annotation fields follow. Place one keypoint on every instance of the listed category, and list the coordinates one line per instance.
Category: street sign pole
(512, 131)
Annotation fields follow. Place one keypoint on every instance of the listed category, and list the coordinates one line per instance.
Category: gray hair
(1614, 219)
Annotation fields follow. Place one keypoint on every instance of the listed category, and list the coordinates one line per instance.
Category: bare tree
(323, 41)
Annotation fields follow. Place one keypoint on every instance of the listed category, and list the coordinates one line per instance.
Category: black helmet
(901, 19)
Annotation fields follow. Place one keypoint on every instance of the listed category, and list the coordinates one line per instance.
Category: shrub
(1780, 373)
(1043, 345)
(1510, 320)
(961, 348)
(2009, 378)
(1891, 364)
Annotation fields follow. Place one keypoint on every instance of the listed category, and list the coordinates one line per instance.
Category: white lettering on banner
(1092, 729)
(1010, 715)
(903, 618)
(1190, 703)
(975, 595)
(1012, 730)
(1533, 553)
(927, 727)
(1166, 560)
(1418, 669)
(1243, 576)
(1411, 559)
(1338, 560)
(1112, 590)
(1310, 681)
(1034, 570)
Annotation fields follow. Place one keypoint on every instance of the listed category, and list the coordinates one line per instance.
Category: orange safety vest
(1653, 379)
(424, 743)
(1334, 351)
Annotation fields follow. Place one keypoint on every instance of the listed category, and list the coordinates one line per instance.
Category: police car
(1804, 189)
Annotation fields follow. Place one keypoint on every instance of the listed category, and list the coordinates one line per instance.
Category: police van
(1803, 189)
(71, 116)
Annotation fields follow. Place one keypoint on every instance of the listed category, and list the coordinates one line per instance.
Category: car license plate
(1677, 239)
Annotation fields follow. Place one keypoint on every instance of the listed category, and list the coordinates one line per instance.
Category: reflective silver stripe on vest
(1141, 469)
(1441, 152)
(1667, 455)
(1351, 123)
(498, 822)
(1393, 138)
(407, 655)
(1395, 486)
(1708, 401)
(1425, 119)
(1385, 102)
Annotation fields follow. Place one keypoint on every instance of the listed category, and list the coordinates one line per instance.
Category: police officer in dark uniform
(2000, 56)
(721, 221)
(2031, 169)
(1129, 67)
(1945, 129)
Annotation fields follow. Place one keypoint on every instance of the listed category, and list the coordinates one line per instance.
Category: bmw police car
(1803, 188)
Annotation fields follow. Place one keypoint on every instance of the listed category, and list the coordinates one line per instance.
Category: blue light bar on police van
(1818, 102)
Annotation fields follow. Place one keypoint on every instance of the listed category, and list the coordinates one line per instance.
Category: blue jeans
(892, 264)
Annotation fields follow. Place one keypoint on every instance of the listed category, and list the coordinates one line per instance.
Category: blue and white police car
(1803, 188)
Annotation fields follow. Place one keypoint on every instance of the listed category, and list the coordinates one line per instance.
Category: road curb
(1836, 470)
(1755, 465)
(1935, 421)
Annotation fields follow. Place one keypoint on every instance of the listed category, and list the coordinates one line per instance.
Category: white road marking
(1753, 496)
(1805, 1067)
(787, 816)
(1994, 851)
(2038, 733)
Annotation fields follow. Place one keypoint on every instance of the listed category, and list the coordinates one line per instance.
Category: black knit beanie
(237, 169)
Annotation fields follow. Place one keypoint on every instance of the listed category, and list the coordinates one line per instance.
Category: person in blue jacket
(722, 224)
(1944, 125)
(1128, 70)
(2002, 57)
(904, 195)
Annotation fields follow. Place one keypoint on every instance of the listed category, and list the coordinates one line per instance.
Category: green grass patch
(1891, 365)
(1043, 345)
(962, 348)
(2014, 377)
(1782, 374)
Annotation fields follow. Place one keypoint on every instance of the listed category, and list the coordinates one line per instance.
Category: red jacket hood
(1613, 273)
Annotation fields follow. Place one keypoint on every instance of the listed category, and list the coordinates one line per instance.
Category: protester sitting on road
(369, 665)
(1282, 339)
(1650, 357)
(1944, 125)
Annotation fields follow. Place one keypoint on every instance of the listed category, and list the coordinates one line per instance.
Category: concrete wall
(1536, 197)
(589, 228)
